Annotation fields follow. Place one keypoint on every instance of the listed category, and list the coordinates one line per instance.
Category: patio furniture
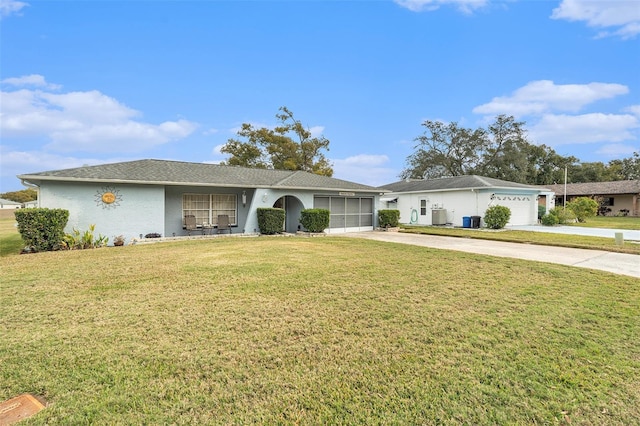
(223, 223)
(190, 224)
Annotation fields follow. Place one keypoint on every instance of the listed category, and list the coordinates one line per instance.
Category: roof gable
(162, 172)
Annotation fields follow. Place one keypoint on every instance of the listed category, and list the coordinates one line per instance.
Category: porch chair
(190, 223)
(223, 223)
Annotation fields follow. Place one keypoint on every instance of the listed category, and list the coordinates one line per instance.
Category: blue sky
(90, 82)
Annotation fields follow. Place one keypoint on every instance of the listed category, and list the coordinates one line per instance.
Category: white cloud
(586, 128)
(217, 148)
(618, 150)
(316, 131)
(538, 97)
(623, 16)
(465, 6)
(11, 7)
(365, 168)
(84, 121)
(633, 109)
(35, 80)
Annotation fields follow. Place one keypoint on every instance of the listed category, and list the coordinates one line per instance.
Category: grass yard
(325, 330)
(613, 222)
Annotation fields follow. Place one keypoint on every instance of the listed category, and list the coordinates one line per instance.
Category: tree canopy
(289, 146)
(22, 196)
(503, 151)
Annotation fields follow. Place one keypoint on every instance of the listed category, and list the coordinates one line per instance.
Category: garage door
(348, 214)
(523, 210)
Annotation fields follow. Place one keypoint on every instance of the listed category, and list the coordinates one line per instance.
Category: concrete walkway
(618, 263)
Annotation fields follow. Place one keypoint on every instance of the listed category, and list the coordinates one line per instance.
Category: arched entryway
(293, 209)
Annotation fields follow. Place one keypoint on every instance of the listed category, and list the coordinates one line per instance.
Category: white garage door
(348, 214)
(521, 206)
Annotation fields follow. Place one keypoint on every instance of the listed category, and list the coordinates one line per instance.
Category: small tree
(315, 220)
(496, 217)
(583, 208)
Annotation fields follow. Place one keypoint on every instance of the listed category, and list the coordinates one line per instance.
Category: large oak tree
(289, 146)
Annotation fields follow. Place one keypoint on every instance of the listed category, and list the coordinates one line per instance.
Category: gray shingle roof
(9, 202)
(598, 188)
(454, 183)
(162, 172)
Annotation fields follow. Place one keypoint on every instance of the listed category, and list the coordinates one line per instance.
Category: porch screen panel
(321, 203)
(353, 212)
(366, 212)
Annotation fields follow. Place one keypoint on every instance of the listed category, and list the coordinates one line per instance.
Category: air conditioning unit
(439, 216)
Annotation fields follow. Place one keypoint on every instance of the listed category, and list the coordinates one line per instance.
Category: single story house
(154, 196)
(621, 197)
(8, 204)
(447, 201)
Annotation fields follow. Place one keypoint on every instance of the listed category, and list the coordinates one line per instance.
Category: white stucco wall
(138, 209)
(461, 203)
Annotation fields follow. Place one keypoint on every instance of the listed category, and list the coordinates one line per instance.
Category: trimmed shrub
(564, 215)
(496, 217)
(270, 220)
(315, 220)
(542, 210)
(388, 218)
(549, 220)
(42, 229)
(583, 208)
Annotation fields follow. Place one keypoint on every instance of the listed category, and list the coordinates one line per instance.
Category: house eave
(32, 179)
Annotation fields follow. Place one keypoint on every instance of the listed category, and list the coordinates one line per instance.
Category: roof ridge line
(481, 179)
(292, 174)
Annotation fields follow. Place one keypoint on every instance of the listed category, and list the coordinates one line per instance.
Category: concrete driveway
(618, 263)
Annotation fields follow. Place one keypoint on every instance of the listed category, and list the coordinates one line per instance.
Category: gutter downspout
(32, 186)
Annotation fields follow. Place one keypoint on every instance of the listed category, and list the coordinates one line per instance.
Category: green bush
(315, 220)
(78, 240)
(542, 210)
(496, 217)
(42, 229)
(389, 218)
(583, 208)
(549, 220)
(564, 216)
(270, 220)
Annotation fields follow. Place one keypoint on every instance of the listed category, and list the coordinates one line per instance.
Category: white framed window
(207, 207)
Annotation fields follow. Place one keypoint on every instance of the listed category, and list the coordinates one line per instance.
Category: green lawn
(331, 330)
(614, 222)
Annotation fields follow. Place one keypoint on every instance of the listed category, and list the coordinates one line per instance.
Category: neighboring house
(448, 200)
(154, 196)
(8, 204)
(621, 197)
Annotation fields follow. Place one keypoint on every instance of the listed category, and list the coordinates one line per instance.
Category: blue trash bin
(466, 221)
